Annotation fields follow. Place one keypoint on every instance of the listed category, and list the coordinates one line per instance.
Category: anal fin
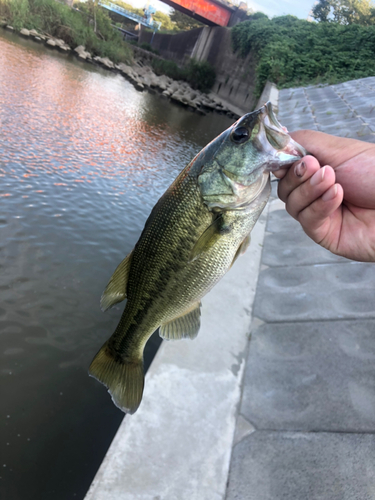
(115, 291)
(184, 326)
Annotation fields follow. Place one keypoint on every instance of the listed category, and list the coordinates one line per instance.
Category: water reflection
(83, 158)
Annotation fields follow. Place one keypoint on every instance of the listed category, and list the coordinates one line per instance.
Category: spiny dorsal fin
(242, 248)
(115, 291)
(184, 326)
(209, 237)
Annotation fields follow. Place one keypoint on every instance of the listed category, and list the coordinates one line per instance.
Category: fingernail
(330, 194)
(300, 169)
(318, 177)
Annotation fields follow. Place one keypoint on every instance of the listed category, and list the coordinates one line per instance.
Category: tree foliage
(291, 51)
(165, 20)
(183, 22)
(345, 11)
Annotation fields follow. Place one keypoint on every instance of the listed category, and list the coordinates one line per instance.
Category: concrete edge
(270, 93)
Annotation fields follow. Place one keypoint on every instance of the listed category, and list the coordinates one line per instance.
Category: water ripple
(83, 158)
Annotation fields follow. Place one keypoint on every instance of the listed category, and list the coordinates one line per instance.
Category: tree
(184, 22)
(322, 10)
(164, 19)
(345, 11)
(93, 7)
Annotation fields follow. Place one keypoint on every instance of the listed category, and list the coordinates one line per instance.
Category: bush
(291, 51)
(201, 75)
(169, 68)
(149, 48)
(75, 28)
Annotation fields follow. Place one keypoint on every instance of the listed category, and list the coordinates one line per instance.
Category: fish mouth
(274, 139)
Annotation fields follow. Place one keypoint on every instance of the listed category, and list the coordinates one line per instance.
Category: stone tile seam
(265, 215)
(320, 264)
(311, 109)
(354, 113)
(299, 431)
(324, 263)
(314, 320)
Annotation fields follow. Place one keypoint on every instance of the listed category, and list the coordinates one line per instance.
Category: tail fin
(124, 379)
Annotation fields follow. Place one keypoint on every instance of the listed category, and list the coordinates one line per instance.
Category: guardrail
(131, 15)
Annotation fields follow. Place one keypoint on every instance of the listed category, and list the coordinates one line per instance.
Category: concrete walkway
(292, 413)
(307, 416)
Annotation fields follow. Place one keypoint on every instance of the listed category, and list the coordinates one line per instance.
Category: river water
(83, 159)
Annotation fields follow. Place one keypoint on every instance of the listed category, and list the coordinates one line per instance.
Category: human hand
(334, 204)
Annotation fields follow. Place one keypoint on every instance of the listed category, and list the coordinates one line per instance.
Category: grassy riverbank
(90, 26)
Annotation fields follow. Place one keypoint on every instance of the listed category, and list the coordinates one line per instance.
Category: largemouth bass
(193, 235)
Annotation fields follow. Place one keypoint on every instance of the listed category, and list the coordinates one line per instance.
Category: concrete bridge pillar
(203, 44)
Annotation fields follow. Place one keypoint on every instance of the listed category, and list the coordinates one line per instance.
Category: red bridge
(211, 12)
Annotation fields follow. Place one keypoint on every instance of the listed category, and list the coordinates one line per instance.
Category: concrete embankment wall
(235, 76)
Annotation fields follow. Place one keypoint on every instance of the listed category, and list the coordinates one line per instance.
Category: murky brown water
(83, 158)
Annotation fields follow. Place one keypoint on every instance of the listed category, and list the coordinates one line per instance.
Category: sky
(300, 8)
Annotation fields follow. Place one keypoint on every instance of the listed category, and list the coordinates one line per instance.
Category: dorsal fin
(115, 291)
(184, 326)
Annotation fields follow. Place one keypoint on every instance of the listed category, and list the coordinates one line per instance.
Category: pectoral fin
(209, 237)
(242, 248)
(184, 326)
(115, 291)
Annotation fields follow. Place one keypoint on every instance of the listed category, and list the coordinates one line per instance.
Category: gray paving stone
(281, 221)
(301, 250)
(333, 103)
(365, 110)
(297, 466)
(311, 376)
(344, 110)
(286, 244)
(293, 93)
(360, 132)
(318, 292)
(296, 122)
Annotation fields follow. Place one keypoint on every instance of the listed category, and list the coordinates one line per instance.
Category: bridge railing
(130, 15)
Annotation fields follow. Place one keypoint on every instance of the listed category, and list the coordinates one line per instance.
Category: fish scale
(192, 237)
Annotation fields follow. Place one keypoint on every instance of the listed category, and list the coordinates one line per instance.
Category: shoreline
(140, 74)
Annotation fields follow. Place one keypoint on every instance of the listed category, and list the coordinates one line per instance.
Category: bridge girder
(210, 12)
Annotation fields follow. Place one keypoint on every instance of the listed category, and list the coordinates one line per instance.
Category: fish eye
(240, 135)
